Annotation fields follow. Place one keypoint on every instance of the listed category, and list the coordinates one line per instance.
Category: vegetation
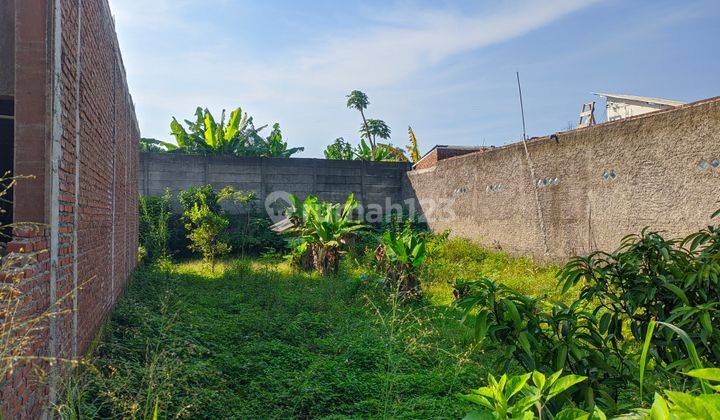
(154, 217)
(400, 257)
(340, 150)
(371, 129)
(258, 339)
(237, 137)
(648, 281)
(380, 332)
(413, 147)
(322, 230)
(206, 221)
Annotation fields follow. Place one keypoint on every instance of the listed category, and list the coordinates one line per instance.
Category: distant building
(441, 152)
(623, 106)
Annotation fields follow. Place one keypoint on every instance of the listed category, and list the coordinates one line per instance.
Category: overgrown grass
(256, 339)
(459, 259)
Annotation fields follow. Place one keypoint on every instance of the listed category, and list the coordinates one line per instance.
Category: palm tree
(359, 100)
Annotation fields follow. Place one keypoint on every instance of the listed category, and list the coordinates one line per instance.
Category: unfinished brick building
(69, 121)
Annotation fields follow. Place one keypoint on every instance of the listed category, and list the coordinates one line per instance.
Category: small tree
(206, 221)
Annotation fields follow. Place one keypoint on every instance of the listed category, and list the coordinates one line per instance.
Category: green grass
(256, 339)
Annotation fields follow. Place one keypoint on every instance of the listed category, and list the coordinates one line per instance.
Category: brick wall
(441, 152)
(594, 185)
(75, 131)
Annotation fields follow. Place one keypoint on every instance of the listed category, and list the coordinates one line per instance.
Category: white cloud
(304, 89)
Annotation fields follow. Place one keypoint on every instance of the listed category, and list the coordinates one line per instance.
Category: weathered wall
(663, 177)
(76, 133)
(333, 180)
(7, 47)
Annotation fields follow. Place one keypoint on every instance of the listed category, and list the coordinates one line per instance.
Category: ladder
(587, 115)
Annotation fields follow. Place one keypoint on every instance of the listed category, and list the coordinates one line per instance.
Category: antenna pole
(522, 109)
(533, 180)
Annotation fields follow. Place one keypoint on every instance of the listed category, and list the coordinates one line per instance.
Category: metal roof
(647, 99)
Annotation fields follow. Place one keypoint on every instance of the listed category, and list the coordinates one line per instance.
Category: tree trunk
(326, 260)
(371, 139)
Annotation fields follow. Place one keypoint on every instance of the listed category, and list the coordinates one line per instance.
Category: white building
(623, 106)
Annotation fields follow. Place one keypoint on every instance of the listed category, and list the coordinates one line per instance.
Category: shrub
(400, 256)
(322, 230)
(648, 280)
(516, 398)
(548, 336)
(154, 228)
(205, 220)
(653, 278)
(207, 230)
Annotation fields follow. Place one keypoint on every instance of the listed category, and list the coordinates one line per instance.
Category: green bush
(653, 278)
(154, 225)
(206, 222)
(400, 257)
(648, 280)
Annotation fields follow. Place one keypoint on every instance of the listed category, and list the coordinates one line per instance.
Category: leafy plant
(325, 228)
(153, 225)
(413, 147)
(547, 336)
(156, 146)
(359, 100)
(400, 257)
(372, 129)
(653, 278)
(340, 150)
(516, 397)
(205, 220)
(206, 232)
(238, 137)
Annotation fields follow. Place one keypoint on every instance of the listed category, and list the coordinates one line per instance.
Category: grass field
(257, 339)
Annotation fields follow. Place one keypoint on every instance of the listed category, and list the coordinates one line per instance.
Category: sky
(446, 68)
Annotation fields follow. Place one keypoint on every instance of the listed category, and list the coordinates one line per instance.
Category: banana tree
(400, 256)
(324, 229)
(237, 137)
(381, 153)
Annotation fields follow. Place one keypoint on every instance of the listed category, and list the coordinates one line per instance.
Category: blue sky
(447, 68)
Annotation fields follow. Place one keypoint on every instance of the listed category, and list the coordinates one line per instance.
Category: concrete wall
(75, 131)
(332, 180)
(597, 185)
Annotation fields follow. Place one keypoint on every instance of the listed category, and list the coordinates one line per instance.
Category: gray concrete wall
(7, 47)
(598, 184)
(331, 180)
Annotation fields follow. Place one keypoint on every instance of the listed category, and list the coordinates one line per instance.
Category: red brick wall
(95, 219)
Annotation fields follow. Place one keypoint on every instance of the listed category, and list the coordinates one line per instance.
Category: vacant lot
(255, 338)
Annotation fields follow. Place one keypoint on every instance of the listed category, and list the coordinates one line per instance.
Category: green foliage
(155, 146)
(357, 100)
(207, 230)
(205, 220)
(652, 278)
(340, 150)
(517, 397)
(237, 137)
(325, 228)
(153, 225)
(375, 129)
(648, 282)
(540, 334)
(256, 339)
(400, 257)
(370, 130)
